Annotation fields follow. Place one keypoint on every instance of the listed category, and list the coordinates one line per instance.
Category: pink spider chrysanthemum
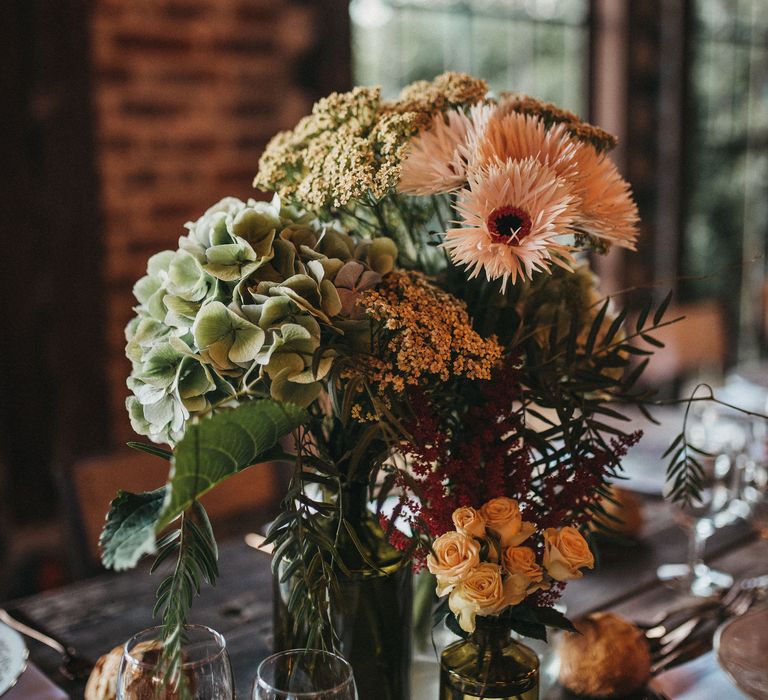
(513, 211)
(607, 209)
(439, 157)
(519, 136)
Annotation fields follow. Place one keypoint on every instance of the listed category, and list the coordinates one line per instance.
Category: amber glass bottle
(489, 664)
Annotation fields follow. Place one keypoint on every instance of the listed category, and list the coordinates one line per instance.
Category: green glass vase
(371, 614)
(489, 664)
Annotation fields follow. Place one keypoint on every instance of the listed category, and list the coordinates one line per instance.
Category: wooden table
(100, 613)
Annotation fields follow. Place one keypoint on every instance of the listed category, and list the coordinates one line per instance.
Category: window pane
(727, 230)
(535, 46)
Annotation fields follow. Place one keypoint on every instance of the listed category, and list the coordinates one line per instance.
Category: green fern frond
(196, 555)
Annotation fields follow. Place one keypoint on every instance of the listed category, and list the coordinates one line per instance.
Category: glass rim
(217, 637)
(263, 684)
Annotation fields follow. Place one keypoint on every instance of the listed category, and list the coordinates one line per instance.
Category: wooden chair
(245, 501)
(695, 346)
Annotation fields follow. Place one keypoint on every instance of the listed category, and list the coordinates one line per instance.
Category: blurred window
(727, 172)
(540, 47)
(715, 189)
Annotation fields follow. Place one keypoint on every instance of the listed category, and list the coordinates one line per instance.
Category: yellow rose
(524, 575)
(469, 521)
(565, 552)
(453, 556)
(502, 515)
(480, 593)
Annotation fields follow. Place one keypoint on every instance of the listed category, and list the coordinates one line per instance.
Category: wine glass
(205, 668)
(754, 479)
(723, 436)
(304, 674)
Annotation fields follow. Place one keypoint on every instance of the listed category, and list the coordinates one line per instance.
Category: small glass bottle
(489, 664)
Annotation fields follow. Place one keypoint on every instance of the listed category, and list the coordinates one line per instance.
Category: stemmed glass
(722, 435)
(754, 478)
(205, 670)
(304, 674)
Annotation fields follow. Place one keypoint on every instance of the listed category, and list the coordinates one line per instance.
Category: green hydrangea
(244, 308)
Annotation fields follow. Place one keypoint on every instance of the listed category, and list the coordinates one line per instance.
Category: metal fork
(679, 621)
(694, 637)
(73, 665)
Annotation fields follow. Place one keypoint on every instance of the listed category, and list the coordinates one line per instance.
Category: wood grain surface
(98, 614)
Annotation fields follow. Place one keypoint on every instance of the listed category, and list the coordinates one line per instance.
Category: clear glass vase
(489, 664)
(371, 612)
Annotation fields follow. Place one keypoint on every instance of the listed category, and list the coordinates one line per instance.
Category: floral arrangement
(485, 569)
(415, 307)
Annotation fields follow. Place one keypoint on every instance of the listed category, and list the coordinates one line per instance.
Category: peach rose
(502, 515)
(453, 556)
(565, 552)
(524, 575)
(480, 593)
(522, 561)
(469, 521)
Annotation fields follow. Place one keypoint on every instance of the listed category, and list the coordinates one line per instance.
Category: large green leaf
(220, 446)
(129, 532)
(209, 452)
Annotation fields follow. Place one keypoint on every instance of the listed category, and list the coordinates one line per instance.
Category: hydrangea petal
(160, 365)
(226, 336)
(158, 264)
(257, 226)
(187, 278)
(146, 287)
(300, 394)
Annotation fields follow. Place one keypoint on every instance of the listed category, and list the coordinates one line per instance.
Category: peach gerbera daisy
(520, 136)
(513, 211)
(607, 209)
(439, 157)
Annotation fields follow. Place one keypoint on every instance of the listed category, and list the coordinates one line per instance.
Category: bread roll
(102, 683)
(609, 659)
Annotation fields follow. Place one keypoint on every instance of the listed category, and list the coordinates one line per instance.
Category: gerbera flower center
(509, 225)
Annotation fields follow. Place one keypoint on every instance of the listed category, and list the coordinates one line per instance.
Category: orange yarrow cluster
(427, 335)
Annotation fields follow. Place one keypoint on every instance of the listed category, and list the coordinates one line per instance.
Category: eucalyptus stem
(711, 398)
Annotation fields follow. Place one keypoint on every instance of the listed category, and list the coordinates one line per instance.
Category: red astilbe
(465, 465)
(547, 597)
(566, 494)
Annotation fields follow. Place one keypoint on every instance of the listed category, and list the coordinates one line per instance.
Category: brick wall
(186, 94)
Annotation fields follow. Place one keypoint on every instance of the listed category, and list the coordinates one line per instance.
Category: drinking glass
(304, 674)
(205, 669)
(723, 435)
(754, 478)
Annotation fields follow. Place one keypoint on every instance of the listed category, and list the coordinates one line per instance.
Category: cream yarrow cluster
(352, 145)
(484, 568)
(241, 309)
(344, 150)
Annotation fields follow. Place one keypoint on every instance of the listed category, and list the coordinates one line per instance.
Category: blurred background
(121, 121)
